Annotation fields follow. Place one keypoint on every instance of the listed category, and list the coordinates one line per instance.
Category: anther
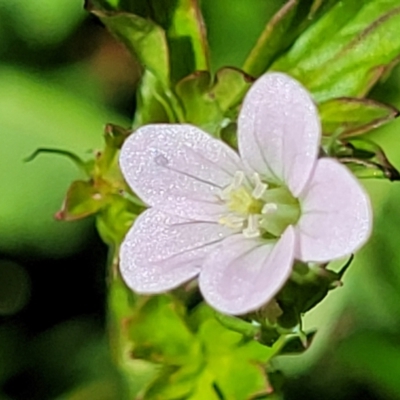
(259, 188)
(238, 179)
(252, 230)
(232, 221)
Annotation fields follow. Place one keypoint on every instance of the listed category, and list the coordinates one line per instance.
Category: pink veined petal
(179, 169)
(279, 131)
(243, 274)
(336, 217)
(161, 251)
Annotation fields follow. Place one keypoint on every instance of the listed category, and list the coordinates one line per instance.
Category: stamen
(232, 221)
(238, 179)
(259, 188)
(269, 208)
(252, 230)
(225, 193)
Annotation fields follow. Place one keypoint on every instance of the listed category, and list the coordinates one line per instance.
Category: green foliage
(366, 159)
(197, 356)
(347, 50)
(281, 31)
(348, 117)
(165, 348)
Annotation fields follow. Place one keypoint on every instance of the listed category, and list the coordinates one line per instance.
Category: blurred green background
(62, 77)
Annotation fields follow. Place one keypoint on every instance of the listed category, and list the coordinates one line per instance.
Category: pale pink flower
(238, 221)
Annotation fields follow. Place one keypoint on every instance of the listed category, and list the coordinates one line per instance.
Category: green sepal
(348, 116)
(347, 50)
(366, 159)
(115, 218)
(230, 86)
(200, 107)
(246, 328)
(82, 199)
(114, 137)
(228, 134)
(307, 286)
(211, 103)
(155, 102)
(281, 31)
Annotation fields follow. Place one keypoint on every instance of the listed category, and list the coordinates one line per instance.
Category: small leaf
(115, 135)
(282, 30)
(82, 199)
(345, 117)
(115, 218)
(366, 159)
(347, 50)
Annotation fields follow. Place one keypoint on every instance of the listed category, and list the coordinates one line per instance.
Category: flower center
(258, 209)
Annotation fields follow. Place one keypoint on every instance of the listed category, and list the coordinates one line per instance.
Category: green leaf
(180, 22)
(144, 39)
(281, 31)
(237, 366)
(347, 50)
(186, 37)
(345, 117)
(82, 199)
(366, 159)
(159, 333)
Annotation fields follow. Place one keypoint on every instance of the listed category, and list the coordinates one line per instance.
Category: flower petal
(162, 251)
(242, 274)
(279, 131)
(336, 214)
(179, 169)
